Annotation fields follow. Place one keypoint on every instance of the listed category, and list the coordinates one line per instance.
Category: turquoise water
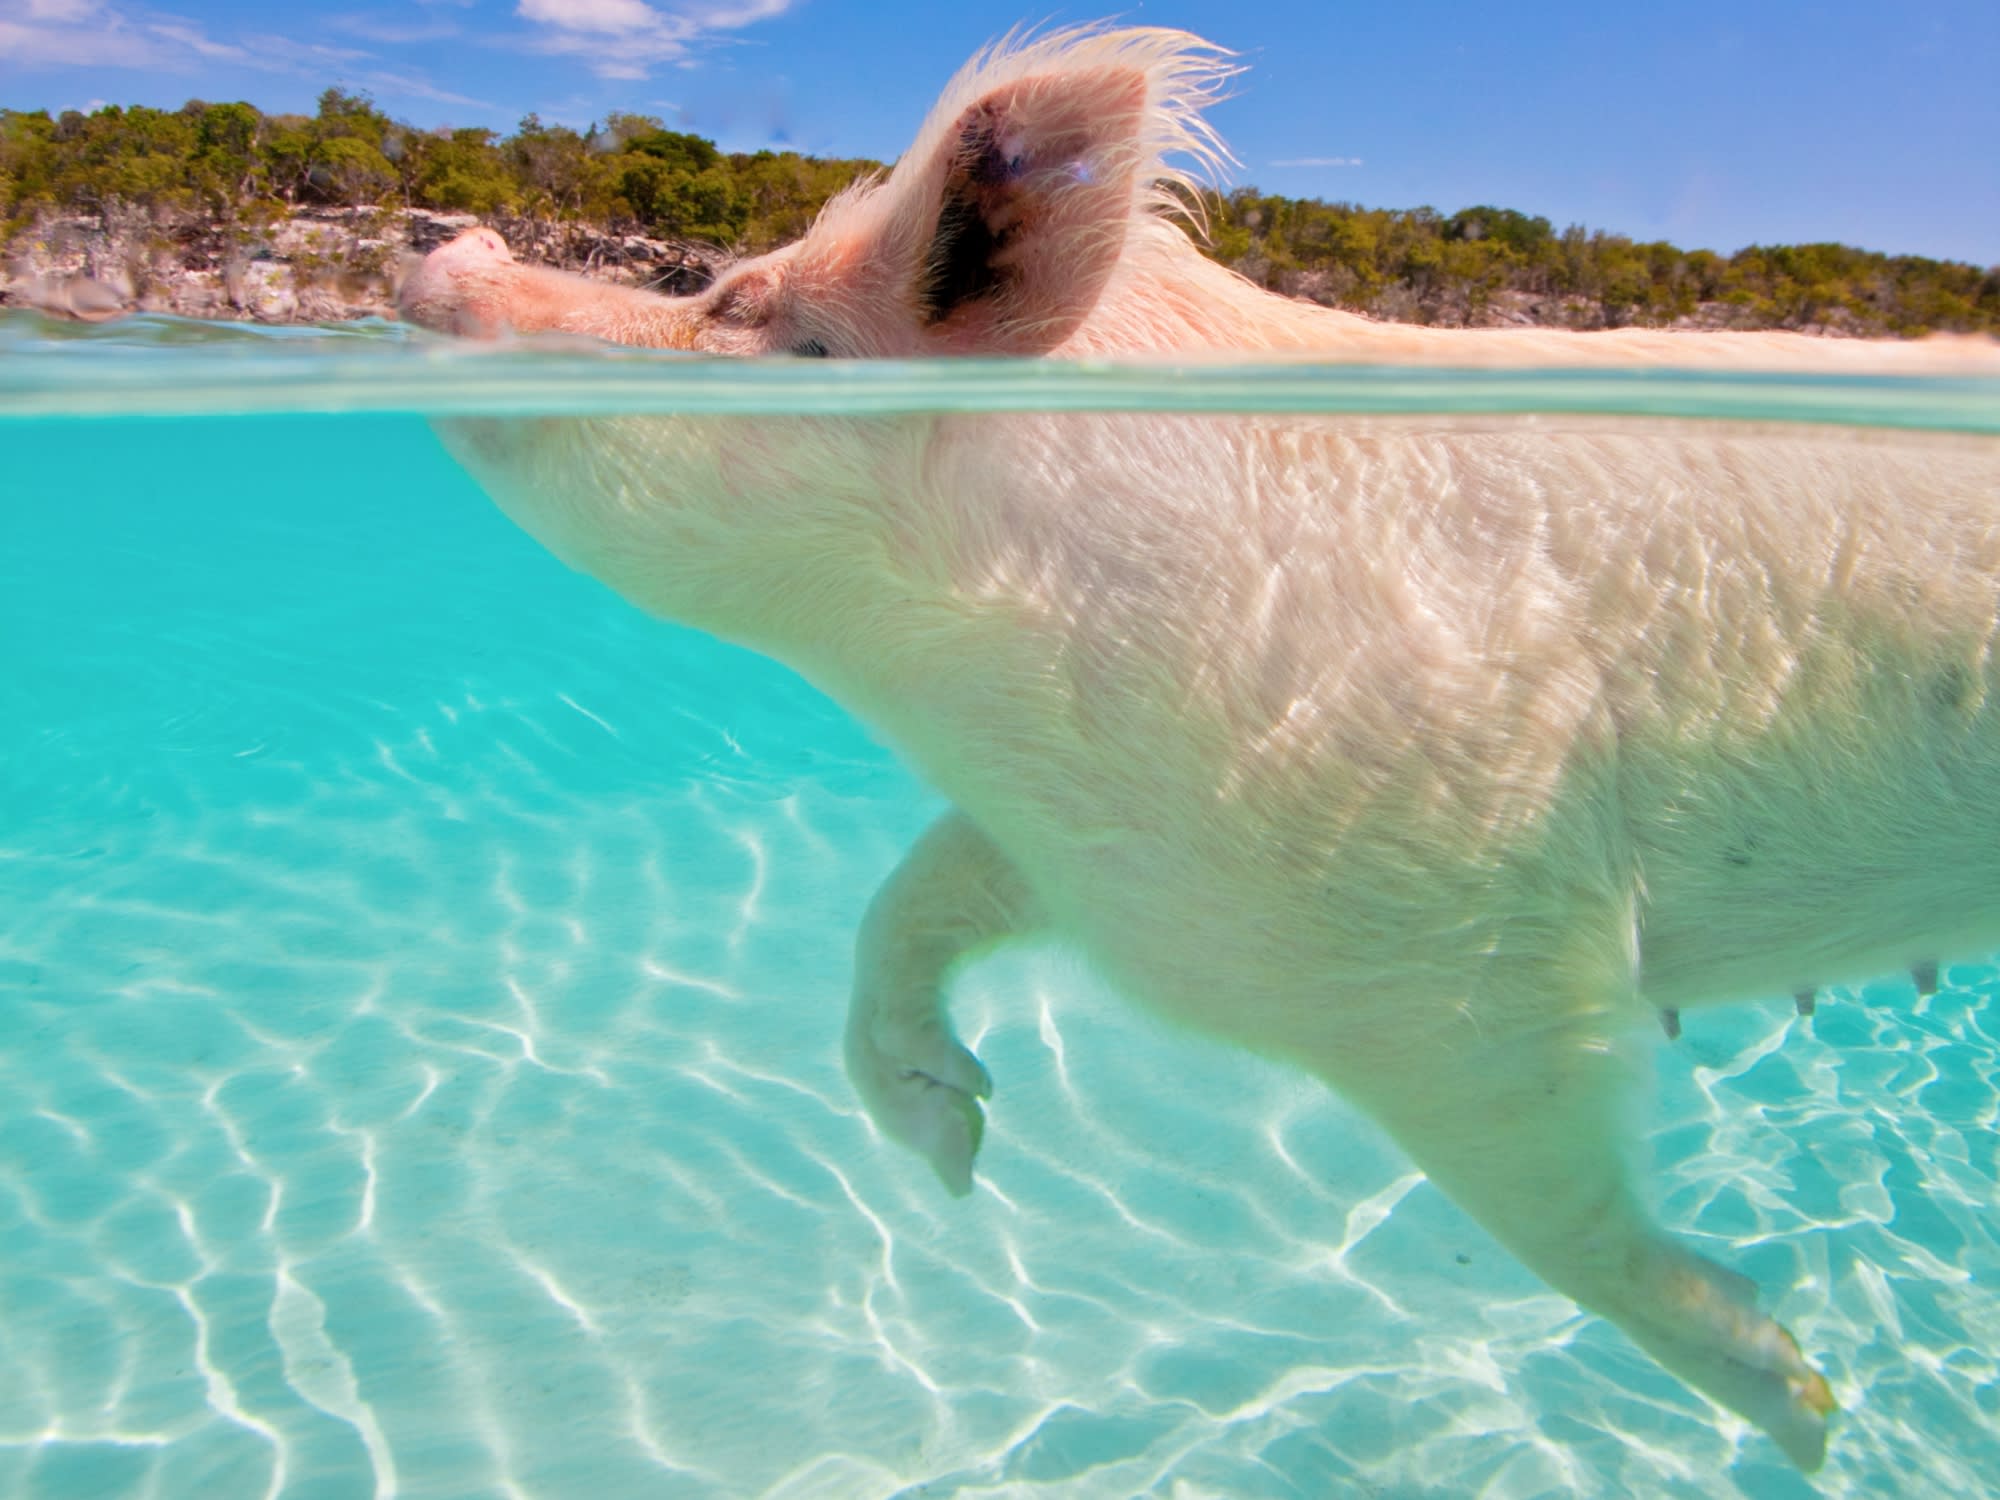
(421, 984)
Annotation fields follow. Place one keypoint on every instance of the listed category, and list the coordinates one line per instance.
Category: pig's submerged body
(1249, 737)
(1432, 760)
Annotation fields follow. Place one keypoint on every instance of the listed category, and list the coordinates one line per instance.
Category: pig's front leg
(954, 896)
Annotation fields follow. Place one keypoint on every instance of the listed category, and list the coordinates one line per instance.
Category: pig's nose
(474, 247)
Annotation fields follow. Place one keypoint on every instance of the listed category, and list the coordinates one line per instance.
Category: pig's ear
(1021, 212)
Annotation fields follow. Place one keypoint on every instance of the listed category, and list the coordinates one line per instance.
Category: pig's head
(1027, 211)
(997, 232)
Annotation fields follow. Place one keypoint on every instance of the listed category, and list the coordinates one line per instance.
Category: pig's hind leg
(954, 896)
(1519, 1115)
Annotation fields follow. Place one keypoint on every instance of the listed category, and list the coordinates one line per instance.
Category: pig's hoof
(1784, 1395)
(1717, 1340)
(923, 1089)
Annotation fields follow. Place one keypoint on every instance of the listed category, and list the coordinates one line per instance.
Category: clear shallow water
(421, 980)
(173, 367)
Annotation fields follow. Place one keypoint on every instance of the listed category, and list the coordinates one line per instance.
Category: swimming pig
(1435, 757)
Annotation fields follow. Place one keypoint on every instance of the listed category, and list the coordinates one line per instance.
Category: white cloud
(403, 85)
(735, 17)
(627, 38)
(620, 57)
(1319, 161)
(617, 16)
(280, 54)
(96, 34)
(32, 46)
(182, 34)
(62, 10)
(91, 33)
(76, 34)
(373, 26)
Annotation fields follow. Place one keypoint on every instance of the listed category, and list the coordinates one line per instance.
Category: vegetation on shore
(234, 168)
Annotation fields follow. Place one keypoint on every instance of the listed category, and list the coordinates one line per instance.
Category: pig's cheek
(477, 301)
(471, 320)
(489, 303)
(710, 337)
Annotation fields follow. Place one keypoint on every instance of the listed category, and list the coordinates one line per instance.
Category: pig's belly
(1768, 879)
(1753, 877)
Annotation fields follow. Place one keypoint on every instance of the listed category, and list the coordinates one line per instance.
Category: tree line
(231, 165)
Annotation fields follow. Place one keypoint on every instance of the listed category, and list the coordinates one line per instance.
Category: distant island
(220, 210)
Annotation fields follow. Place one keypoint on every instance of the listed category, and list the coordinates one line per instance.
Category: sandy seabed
(421, 981)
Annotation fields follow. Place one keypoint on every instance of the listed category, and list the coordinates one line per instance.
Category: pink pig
(1434, 757)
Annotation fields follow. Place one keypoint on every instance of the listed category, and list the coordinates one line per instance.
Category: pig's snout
(446, 290)
(476, 247)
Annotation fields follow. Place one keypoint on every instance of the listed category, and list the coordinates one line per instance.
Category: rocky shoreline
(321, 265)
(311, 266)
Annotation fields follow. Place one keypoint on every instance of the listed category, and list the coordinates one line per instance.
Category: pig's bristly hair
(1184, 76)
(1179, 150)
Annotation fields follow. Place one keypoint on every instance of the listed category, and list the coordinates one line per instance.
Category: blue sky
(1705, 123)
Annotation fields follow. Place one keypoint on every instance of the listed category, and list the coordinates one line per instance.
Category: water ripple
(423, 1078)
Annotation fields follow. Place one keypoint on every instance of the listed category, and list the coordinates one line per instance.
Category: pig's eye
(810, 349)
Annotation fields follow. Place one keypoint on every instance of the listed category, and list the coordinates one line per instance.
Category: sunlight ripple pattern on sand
(422, 982)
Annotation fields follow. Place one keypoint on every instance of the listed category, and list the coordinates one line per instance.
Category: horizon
(1796, 125)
